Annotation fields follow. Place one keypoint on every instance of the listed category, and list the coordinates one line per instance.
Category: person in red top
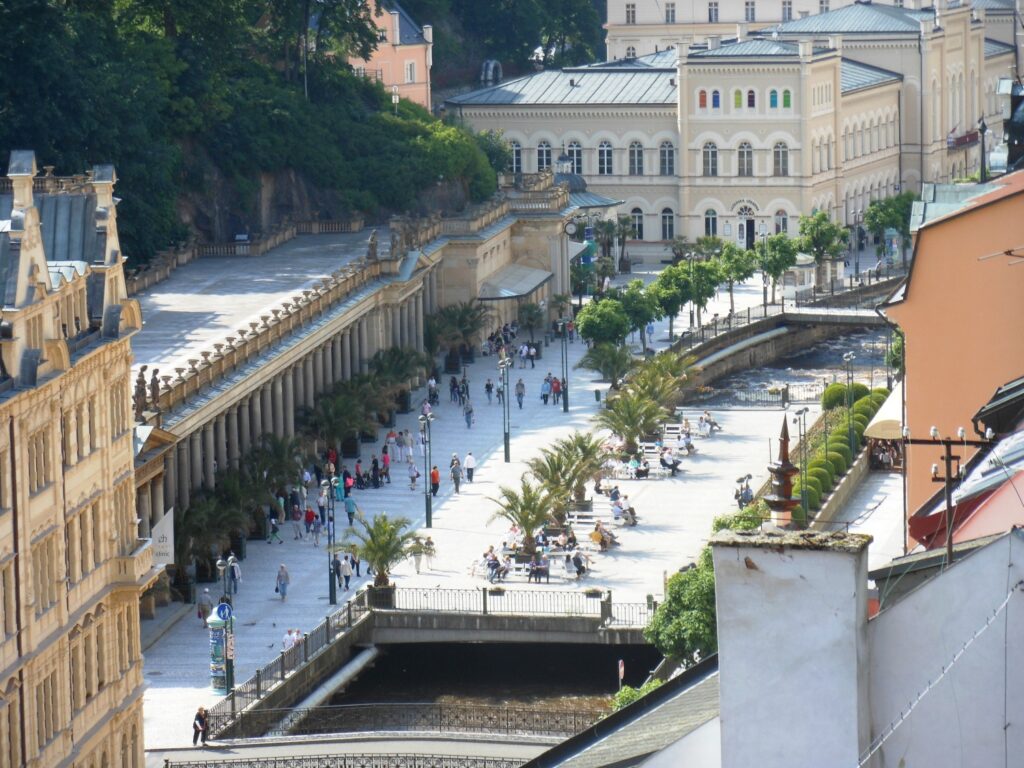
(310, 516)
(435, 480)
(556, 390)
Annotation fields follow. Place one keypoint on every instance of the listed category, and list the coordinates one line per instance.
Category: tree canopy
(603, 322)
(821, 237)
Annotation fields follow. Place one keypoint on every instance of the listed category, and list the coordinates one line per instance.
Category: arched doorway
(746, 231)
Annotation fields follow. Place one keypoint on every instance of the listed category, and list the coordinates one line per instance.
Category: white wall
(701, 748)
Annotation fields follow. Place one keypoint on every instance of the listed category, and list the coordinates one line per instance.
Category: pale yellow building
(71, 564)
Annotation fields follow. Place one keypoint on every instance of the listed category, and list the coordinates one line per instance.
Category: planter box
(403, 401)
(452, 363)
(380, 597)
(350, 448)
(367, 437)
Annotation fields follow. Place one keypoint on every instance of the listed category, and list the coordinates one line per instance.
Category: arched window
(710, 223)
(716, 100)
(751, 101)
(786, 100)
(746, 160)
(668, 224)
(780, 160)
(710, 159)
(576, 157)
(637, 218)
(543, 156)
(781, 223)
(702, 99)
(604, 159)
(737, 100)
(636, 159)
(773, 99)
(631, 52)
(667, 157)
(517, 157)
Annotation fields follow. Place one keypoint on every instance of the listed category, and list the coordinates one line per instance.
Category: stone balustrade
(477, 218)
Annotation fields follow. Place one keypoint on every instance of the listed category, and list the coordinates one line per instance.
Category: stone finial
(140, 393)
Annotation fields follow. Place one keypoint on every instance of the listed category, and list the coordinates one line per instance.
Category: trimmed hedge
(825, 466)
(884, 392)
(838, 461)
(842, 449)
(877, 398)
(813, 482)
(866, 409)
(859, 391)
(813, 497)
(833, 396)
(823, 476)
(859, 420)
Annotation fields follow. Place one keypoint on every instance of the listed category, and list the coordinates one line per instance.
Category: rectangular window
(822, 6)
(713, 12)
(670, 13)
(7, 604)
(46, 709)
(410, 72)
(749, 11)
(787, 10)
(5, 480)
(631, 13)
(382, 35)
(45, 573)
(40, 467)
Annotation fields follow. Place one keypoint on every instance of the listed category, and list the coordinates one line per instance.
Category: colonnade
(271, 405)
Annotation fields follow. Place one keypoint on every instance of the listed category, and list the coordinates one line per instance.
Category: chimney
(741, 32)
(714, 41)
(806, 48)
(21, 170)
(792, 636)
(102, 182)
(804, 14)
(396, 29)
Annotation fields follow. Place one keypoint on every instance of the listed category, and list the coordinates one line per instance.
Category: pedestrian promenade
(675, 523)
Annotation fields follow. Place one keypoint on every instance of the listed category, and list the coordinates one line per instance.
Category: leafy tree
(560, 302)
(777, 255)
(624, 230)
(585, 452)
(626, 695)
(685, 627)
(890, 213)
(735, 265)
(704, 281)
(570, 32)
(641, 307)
(581, 278)
(603, 322)
(610, 360)
(529, 508)
(671, 290)
(708, 247)
(531, 317)
(381, 543)
(822, 238)
(680, 247)
(497, 150)
(550, 469)
(894, 357)
(604, 234)
(631, 416)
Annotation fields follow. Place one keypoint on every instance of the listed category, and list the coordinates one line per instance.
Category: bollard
(282, 666)
(597, 395)
(483, 592)
(305, 647)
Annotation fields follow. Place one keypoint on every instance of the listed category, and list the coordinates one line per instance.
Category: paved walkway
(675, 514)
(877, 509)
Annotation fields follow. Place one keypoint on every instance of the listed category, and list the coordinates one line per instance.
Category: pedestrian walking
(354, 558)
(456, 474)
(417, 553)
(350, 509)
(346, 571)
(489, 390)
(469, 464)
(571, 328)
(423, 442)
(275, 532)
(296, 522)
(501, 394)
(467, 414)
(336, 568)
(308, 519)
(556, 390)
(532, 354)
(409, 444)
(204, 606)
(199, 727)
(520, 393)
(234, 573)
(435, 480)
(283, 580)
(413, 475)
(429, 550)
(317, 528)
(545, 389)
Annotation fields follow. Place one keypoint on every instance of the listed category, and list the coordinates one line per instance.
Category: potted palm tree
(531, 317)
(586, 454)
(631, 416)
(610, 360)
(381, 543)
(395, 368)
(529, 508)
(458, 327)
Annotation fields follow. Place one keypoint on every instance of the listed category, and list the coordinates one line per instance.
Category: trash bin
(597, 395)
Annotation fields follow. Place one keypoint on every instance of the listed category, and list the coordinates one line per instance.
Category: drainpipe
(16, 527)
(924, 119)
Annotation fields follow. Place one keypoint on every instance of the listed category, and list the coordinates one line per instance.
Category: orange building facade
(962, 313)
(404, 54)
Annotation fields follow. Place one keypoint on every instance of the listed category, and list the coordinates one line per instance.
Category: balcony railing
(959, 142)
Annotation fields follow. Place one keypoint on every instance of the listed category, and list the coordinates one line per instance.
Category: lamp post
(857, 215)
(950, 476)
(848, 359)
(225, 618)
(394, 98)
(690, 257)
(428, 502)
(562, 324)
(764, 260)
(982, 129)
(332, 583)
(800, 420)
(506, 397)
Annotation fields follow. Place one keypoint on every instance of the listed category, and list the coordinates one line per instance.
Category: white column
(289, 402)
(346, 354)
(244, 428)
(221, 441)
(364, 346)
(171, 477)
(144, 512)
(267, 407)
(232, 429)
(256, 414)
(157, 505)
(195, 453)
(208, 456)
(277, 394)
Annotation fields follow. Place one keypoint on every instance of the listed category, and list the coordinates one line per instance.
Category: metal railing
(717, 326)
(420, 717)
(632, 614)
(356, 761)
(501, 601)
(774, 396)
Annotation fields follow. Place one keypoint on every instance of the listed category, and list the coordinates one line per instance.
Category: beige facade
(71, 565)
(404, 55)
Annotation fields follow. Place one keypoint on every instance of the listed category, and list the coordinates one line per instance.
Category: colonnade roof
(212, 297)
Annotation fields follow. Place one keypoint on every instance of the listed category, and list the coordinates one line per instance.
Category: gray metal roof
(1005, 6)
(591, 200)
(68, 225)
(409, 32)
(995, 48)
(661, 60)
(854, 76)
(858, 18)
(746, 48)
(9, 262)
(587, 86)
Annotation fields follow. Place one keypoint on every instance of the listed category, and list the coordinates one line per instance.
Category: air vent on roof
(572, 82)
(672, 82)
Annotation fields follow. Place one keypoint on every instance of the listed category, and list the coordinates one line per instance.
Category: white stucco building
(739, 137)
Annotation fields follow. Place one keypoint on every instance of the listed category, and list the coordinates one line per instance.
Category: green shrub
(833, 396)
(883, 391)
(822, 475)
(843, 449)
(862, 421)
(813, 497)
(813, 482)
(878, 398)
(865, 408)
(799, 519)
(628, 694)
(859, 391)
(838, 461)
(825, 466)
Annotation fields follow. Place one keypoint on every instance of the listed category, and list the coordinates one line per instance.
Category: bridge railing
(342, 760)
(420, 717)
(501, 601)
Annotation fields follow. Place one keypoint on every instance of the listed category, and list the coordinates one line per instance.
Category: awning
(888, 421)
(587, 200)
(513, 282)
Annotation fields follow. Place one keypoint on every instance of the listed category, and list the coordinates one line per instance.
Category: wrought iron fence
(632, 614)
(355, 761)
(716, 326)
(425, 717)
(500, 601)
(773, 396)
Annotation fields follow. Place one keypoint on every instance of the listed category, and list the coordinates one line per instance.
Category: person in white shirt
(469, 465)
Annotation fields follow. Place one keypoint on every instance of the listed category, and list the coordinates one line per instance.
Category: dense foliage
(189, 99)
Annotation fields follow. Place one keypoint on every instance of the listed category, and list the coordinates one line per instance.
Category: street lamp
(857, 216)
(394, 98)
(689, 257)
(982, 129)
(332, 582)
(764, 260)
(428, 504)
(848, 359)
(229, 626)
(506, 414)
(800, 420)
(562, 330)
